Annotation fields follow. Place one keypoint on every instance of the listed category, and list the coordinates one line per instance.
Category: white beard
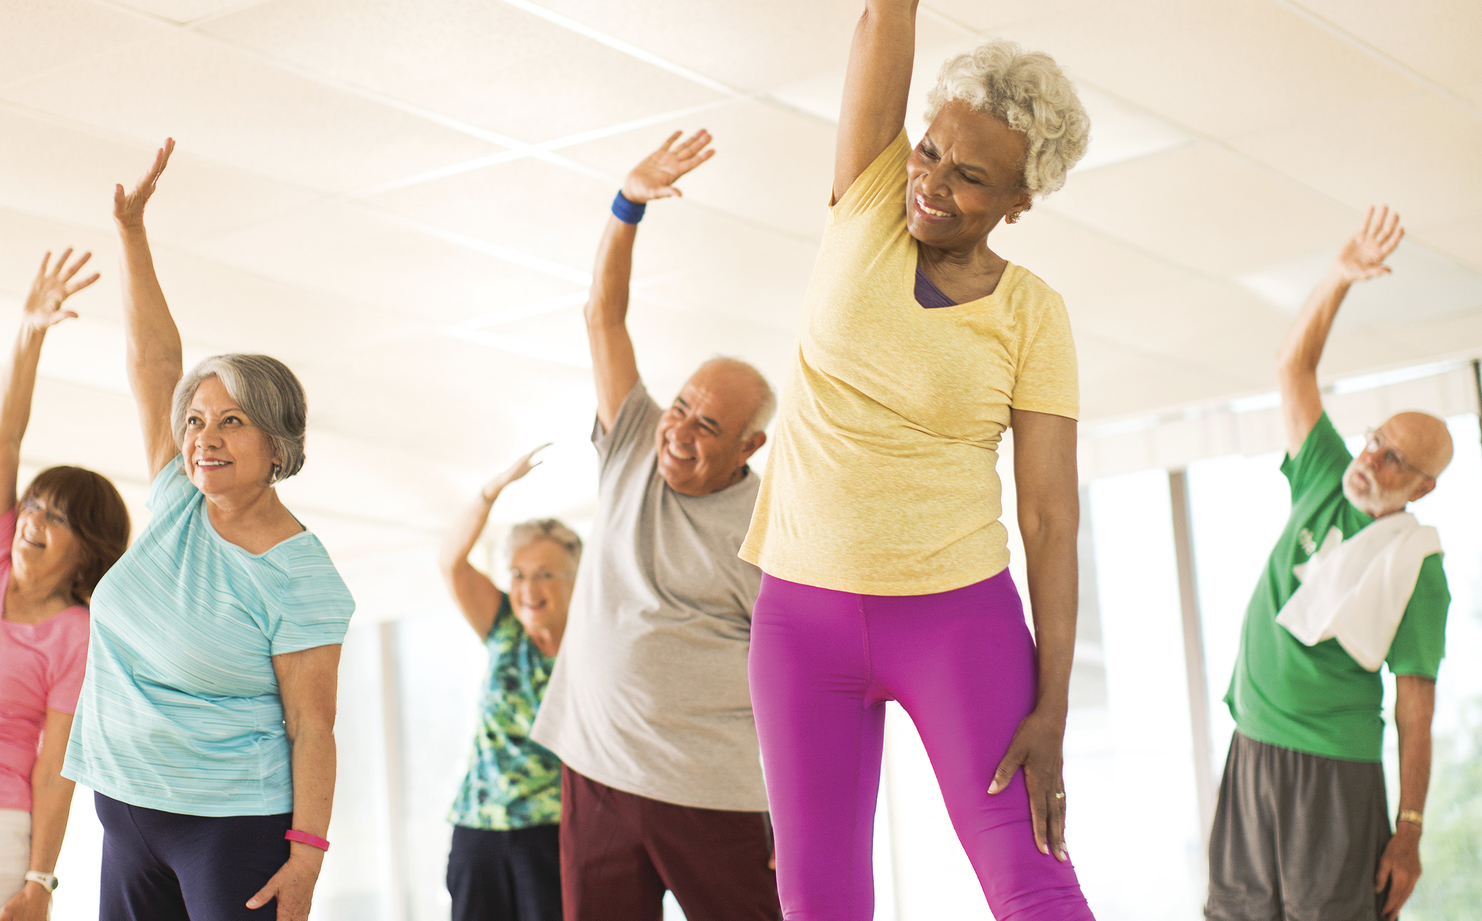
(1373, 500)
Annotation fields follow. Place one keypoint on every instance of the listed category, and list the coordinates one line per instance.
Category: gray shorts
(1296, 837)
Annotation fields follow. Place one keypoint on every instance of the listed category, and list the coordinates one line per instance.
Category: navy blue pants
(506, 875)
(163, 866)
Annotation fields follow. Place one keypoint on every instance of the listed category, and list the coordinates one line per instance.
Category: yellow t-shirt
(881, 479)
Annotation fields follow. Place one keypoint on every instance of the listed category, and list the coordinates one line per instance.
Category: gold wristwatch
(1412, 816)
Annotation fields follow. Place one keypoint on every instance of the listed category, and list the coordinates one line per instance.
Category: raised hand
(1364, 254)
(128, 208)
(656, 175)
(52, 286)
(516, 470)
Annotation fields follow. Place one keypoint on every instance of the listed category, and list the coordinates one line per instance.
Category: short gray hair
(1030, 92)
(266, 391)
(766, 399)
(526, 533)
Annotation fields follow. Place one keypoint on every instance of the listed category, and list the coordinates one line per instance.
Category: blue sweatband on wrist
(629, 212)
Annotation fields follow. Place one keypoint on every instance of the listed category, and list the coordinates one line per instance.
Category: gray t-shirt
(649, 692)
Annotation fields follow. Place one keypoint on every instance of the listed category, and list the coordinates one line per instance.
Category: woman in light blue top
(207, 714)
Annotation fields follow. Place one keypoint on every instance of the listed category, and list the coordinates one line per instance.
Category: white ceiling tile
(351, 252)
(485, 63)
(1420, 155)
(183, 11)
(1203, 207)
(1217, 68)
(1438, 38)
(995, 17)
(227, 106)
(750, 46)
(771, 166)
(763, 285)
(37, 36)
(68, 175)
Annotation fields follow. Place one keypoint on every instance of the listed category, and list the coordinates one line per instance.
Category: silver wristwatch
(49, 880)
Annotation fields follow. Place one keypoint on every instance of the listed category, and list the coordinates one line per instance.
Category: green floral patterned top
(512, 781)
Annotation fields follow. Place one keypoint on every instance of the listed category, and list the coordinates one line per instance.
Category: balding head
(714, 426)
(1422, 438)
(1399, 464)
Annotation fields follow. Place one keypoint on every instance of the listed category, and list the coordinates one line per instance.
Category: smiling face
(44, 544)
(699, 439)
(541, 577)
(223, 449)
(964, 176)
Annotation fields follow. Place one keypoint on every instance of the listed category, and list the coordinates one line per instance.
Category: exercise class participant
(648, 706)
(877, 524)
(55, 544)
(1354, 582)
(505, 861)
(206, 725)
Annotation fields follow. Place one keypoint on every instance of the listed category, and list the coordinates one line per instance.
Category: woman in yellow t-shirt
(885, 565)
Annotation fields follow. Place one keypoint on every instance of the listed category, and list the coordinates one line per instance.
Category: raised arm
(613, 364)
(1296, 364)
(43, 310)
(155, 361)
(477, 595)
(1049, 515)
(876, 87)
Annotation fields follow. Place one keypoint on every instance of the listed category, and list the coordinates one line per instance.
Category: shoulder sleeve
(1320, 462)
(69, 664)
(498, 637)
(171, 488)
(315, 606)
(882, 183)
(1045, 380)
(1420, 641)
(634, 427)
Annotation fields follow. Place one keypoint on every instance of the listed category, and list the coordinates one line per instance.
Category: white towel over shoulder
(1357, 589)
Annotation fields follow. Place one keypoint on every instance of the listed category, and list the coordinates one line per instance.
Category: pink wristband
(304, 837)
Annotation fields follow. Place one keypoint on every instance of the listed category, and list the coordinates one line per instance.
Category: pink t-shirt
(41, 668)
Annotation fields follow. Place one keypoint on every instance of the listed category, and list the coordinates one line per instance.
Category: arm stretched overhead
(1296, 364)
(876, 87)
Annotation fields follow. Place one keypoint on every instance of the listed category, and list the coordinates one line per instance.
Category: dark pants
(510, 875)
(1296, 837)
(620, 852)
(162, 866)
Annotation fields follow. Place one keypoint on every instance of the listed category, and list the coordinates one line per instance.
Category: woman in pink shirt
(55, 544)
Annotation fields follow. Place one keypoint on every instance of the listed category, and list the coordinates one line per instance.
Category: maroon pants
(621, 851)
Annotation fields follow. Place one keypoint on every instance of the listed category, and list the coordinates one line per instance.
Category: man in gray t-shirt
(648, 706)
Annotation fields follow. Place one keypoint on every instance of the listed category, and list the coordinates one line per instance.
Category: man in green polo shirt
(1302, 828)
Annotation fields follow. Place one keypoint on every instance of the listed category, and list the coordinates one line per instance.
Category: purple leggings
(962, 664)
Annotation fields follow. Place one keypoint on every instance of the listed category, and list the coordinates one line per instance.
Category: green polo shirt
(1317, 699)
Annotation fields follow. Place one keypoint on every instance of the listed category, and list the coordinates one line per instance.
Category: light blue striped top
(180, 709)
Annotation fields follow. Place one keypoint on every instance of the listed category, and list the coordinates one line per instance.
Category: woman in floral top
(505, 861)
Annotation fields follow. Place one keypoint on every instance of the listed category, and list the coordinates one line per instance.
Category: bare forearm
(1050, 558)
(607, 304)
(314, 763)
(154, 349)
(20, 385)
(51, 803)
(1304, 344)
(877, 85)
(1414, 708)
(464, 533)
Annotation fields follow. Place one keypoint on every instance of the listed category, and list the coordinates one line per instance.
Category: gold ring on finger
(1060, 795)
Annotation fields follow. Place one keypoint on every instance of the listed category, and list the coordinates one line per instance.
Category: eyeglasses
(54, 518)
(1389, 458)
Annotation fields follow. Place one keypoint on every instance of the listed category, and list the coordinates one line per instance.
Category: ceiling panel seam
(1388, 60)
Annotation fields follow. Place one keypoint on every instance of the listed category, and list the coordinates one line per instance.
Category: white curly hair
(1030, 92)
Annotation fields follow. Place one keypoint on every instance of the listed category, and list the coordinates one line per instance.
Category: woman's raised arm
(43, 310)
(155, 361)
(876, 87)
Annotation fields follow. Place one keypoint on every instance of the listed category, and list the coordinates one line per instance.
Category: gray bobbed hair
(266, 391)
(1030, 92)
(526, 533)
